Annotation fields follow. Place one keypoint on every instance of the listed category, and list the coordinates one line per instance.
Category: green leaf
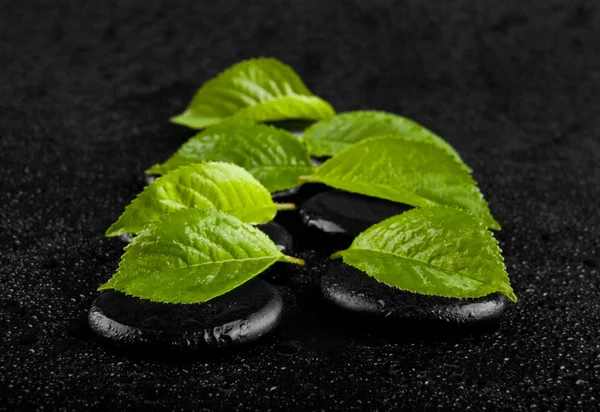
(257, 90)
(439, 251)
(274, 156)
(328, 137)
(211, 185)
(193, 255)
(404, 170)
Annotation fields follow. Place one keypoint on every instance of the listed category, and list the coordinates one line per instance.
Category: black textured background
(86, 89)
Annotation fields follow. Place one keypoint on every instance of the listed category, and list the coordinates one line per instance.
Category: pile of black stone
(327, 220)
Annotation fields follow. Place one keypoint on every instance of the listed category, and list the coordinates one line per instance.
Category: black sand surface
(86, 90)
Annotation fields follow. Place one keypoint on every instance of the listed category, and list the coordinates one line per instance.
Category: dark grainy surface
(87, 88)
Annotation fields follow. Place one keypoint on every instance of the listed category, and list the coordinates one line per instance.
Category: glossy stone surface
(343, 213)
(284, 194)
(241, 316)
(279, 235)
(357, 293)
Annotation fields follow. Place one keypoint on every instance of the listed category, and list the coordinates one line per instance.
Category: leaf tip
(104, 286)
(510, 294)
(156, 169)
(178, 119)
(111, 232)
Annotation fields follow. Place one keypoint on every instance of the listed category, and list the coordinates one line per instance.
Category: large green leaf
(328, 137)
(404, 170)
(257, 90)
(193, 255)
(434, 251)
(212, 185)
(274, 156)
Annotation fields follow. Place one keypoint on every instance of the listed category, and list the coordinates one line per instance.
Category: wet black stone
(294, 126)
(362, 297)
(279, 235)
(318, 161)
(240, 316)
(287, 194)
(347, 214)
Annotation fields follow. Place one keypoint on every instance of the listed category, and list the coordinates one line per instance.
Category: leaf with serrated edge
(273, 156)
(257, 90)
(329, 136)
(212, 185)
(439, 251)
(404, 170)
(193, 255)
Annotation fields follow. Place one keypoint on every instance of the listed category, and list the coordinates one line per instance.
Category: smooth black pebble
(277, 233)
(240, 316)
(285, 194)
(347, 214)
(318, 161)
(294, 126)
(362, 296)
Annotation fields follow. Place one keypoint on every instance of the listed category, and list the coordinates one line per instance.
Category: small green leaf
(193, 255)
(404, 170)
(274, 156)
(212, 185)
(439, 251)
(328, 137)
(257, 90)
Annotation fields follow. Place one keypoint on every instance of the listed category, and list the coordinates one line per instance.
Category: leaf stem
(337, 254)
(291, 259)
(285, 206)
(307, 179)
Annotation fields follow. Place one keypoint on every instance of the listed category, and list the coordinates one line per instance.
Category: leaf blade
(405, 170)
(330, 136)
(438, 251)
(212, 185)
(262, 89)
(273, 156)
(191, 256)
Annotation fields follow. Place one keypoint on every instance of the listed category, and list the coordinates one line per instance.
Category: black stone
(318, 161)
(363, 297)
(238, 317)
(285, 194)
(279, 235)
(294, 126)
(348, 214)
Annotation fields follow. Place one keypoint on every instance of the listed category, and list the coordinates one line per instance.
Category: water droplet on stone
(363, 297)
(240, 316)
